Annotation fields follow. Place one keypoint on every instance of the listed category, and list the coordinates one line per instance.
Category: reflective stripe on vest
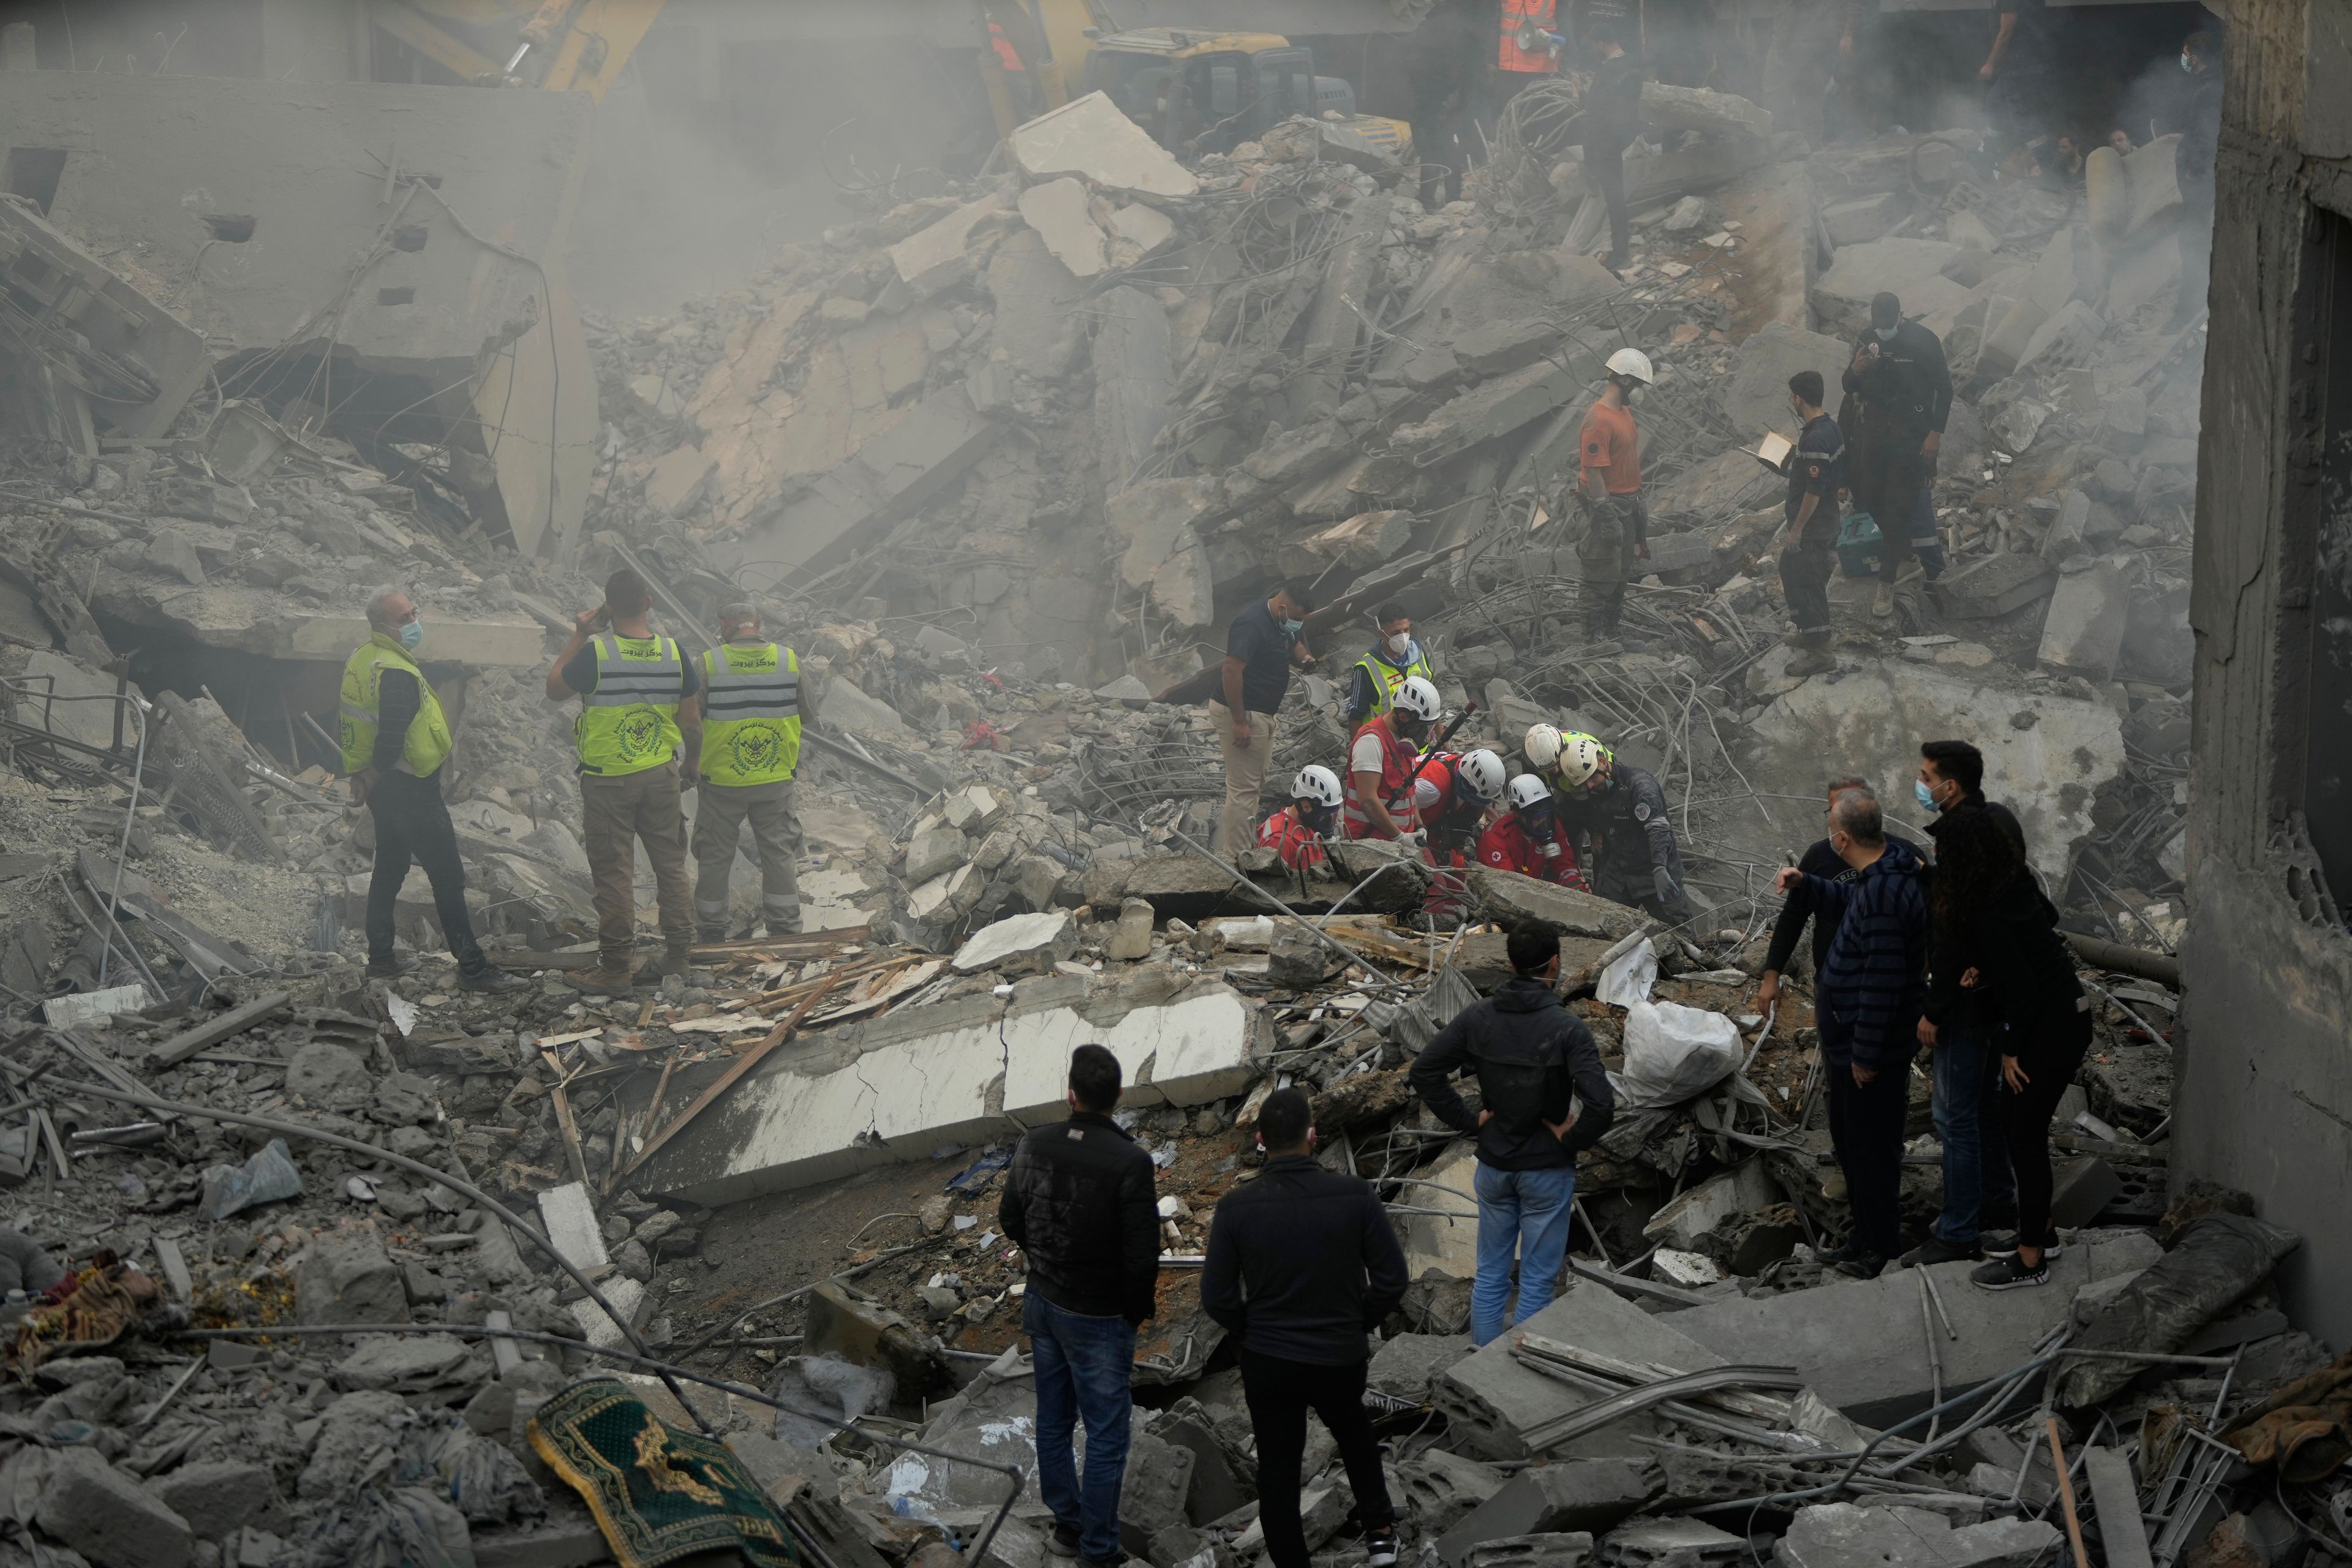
(629, 723)
(1399, 760)
(1545, 15)
(428, 744)
(1387, 678)
(752, 713)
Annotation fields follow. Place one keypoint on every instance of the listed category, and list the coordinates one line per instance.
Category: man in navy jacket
(1867, 1002)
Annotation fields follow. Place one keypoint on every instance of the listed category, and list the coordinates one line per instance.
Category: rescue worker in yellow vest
(394, 738)
(750, 744)
(1395, 659)
(640, 712)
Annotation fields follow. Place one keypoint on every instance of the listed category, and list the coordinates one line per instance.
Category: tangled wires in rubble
(1540, 123)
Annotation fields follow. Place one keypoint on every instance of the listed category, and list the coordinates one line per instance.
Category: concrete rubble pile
(999, 464)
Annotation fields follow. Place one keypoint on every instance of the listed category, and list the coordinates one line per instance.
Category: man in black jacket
(1899, 394)
(1544, 1100)
(1079, 1203)
(1964, 1032)
(1302, 1265)
(1613, 118)
(1818, 860)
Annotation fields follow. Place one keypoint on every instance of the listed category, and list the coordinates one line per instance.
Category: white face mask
(1401, 644)
(1885, 334)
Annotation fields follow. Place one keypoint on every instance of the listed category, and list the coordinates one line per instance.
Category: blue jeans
(1085, 1366)
(1977, 1174)
(1526, 1214)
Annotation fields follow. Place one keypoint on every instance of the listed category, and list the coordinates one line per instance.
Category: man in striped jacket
(1867, 1000)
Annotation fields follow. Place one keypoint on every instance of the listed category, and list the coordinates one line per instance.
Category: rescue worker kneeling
(1382, 761)
(1528, 838)
(1297, 830)
(1622, 811)
(1450, 793)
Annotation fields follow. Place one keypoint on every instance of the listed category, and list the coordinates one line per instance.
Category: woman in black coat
(1988, 906)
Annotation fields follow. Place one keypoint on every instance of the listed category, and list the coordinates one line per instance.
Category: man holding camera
(641, 708)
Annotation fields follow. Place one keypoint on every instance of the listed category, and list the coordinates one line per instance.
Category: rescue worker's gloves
(1664, 881)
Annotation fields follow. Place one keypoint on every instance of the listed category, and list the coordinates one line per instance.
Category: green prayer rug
(658, 1494)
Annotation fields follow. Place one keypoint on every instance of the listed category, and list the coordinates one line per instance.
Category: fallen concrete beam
(968, 1071)
(1839, 1534)
(1543, 1499)
(1522, 903)
(1857, 1343)
(1090, 138)
(1703, 108)
(1134, 376)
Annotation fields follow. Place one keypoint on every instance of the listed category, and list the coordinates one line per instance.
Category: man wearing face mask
(1382, 761)
(1609, 481)
(1904, 388)
(1960, 1026)
(1816, 470)
(1395, 657)
(1623, 810)
(394, 738)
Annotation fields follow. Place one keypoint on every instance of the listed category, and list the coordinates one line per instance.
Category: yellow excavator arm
(561, 46)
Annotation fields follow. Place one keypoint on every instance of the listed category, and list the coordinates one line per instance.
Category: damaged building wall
(381, 259)
(2267, 965)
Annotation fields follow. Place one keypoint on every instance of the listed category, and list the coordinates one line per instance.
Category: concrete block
(2054, 277)
(2080, 1189)
(1018, 944)
(1970, 232)
(940, 256)
(2045, 757)
(1439, 1488)
(1443, 1246)
(889, 477)
(1407, 1364)
(1703, 108)
(348, 1277)
(2153, 175)
(1132, 939)
(1858, 1346)
(1584, 1495)
(2083, 631)
(677, 479)
(1058, 210)
(1868, 217)
(1841, 1534)
(2065, 341)
(2009, 326)
(1911, 269)
(1134, 375)
(1490, 1397)
(108, 1517)
(50, 683)
(1492, 409)
(597, 1325)
(1214, 1491)
(219, 1497)
(1139, 232)
(1186, 1051)
(1152, 1496)
(935, 851)
(1756, 398)
(404, 1363)
(572, 1227)
(1090, 138)
(1516, 903)
(1566, 1548)
(1742, 1190)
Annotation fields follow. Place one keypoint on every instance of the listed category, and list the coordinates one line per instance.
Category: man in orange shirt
(1609, 479)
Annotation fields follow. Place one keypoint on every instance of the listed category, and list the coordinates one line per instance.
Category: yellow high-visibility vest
(751, 713)
(630, 721)
(426, 746)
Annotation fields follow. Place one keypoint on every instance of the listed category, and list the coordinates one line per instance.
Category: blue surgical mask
(412, 634)
(1885, 334)
(1292, 628)
(2188, 62)
(1924, 796)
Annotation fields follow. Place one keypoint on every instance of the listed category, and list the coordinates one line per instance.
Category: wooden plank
(573, 1154)
(728, 1079)
(214, 1030)
(802, 942)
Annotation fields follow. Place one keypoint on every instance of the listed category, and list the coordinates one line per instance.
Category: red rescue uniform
(1508, 846)
(1376, 743)
(1540, 61)
(1446, 806)
(1298, 843)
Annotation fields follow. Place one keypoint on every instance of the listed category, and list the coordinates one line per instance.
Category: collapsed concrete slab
(225, 614)
(971, 1071)
(1910, 269)
(1756, 398)
(2084, 630)
(2045, 756)
(1522, 903)
(1090, 138)
(1058, 211)
(1134, 376)
(940, 256)
(1581, 1495)
(1857, 1343)
(1490, 1398)
(1837, 1535)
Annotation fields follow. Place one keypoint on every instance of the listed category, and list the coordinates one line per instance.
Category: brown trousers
(720, 813)
(615, 814)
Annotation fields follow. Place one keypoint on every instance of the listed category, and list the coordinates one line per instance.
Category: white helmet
(1580, 758)
(1633, 363)
(1420, 699)
(1482, 770)
(1527, 790)
(1318, 783)
(1542, 745)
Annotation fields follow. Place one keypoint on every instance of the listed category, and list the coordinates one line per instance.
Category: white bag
(1674, 1054)
(1629, 979)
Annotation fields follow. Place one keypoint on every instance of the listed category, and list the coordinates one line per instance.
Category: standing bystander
(1609, 481)
(1262, 645)
(1079, 1203)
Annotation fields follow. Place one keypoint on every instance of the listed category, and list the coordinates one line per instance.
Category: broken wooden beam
(218, 1027)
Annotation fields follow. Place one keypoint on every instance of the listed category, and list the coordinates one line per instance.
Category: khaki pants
(1614, 528)
(615, 814)
(720, 813)
(1244, 778)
